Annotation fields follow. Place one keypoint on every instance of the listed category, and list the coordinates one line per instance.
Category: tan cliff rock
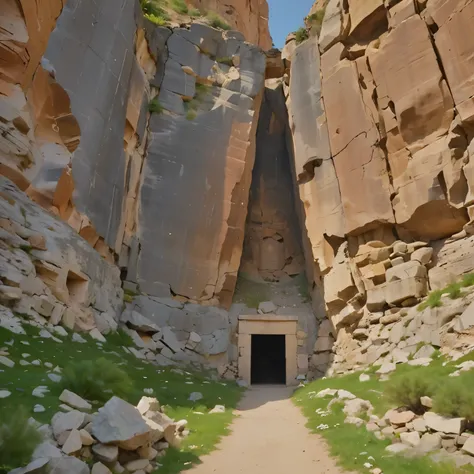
(397, 106)
(185, 154)
(248, 17)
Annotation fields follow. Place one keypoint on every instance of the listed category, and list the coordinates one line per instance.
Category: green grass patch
(301, 35)
(453, 290)
(179, 6)
(250, 293)
(433, 300)
(18, 440)
(352, 446)
(169, 386)
(154, 11)
(194, 12)
(455, 398)
(467, 280)
(217, 21)
(154, 107)
(96, 379)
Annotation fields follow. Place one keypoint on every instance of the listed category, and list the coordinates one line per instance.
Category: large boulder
(121, 424)
(444, 424)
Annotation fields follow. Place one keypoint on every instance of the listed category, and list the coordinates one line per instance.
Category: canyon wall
(248, 17)
(381, 111)
(140, 137)
(140, 140)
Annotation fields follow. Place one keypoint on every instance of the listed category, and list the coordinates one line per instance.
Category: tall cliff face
(248, 17)
(380, 106)
(167, 191)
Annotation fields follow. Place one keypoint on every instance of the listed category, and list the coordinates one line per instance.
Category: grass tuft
(217, 21)
(433, 300)
(453, 290)
(96, 379)
(467, 280)
(301, 35)
(154, 107)
(316, 20)
(194, 12)
(18, 440)
(179, 6)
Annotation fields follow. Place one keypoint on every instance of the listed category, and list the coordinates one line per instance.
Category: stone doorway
(268, 361)
(252, 348)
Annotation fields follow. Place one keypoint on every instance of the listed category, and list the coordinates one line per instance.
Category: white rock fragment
(74, 400)
(7, 362)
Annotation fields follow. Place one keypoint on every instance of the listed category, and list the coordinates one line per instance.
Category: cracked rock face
(394, 174)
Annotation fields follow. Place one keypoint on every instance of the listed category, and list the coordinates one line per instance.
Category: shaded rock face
(248, 17)
(382, 122)
(197, 171)
(272, 247)
(75, 135)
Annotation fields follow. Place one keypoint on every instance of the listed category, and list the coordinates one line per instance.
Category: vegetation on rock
(315, 20)
(171, 386)
(353, 445)
(301, 35)
(155, 107)
(217, 21)
(453, 290)
(180, 6)
(191, 106)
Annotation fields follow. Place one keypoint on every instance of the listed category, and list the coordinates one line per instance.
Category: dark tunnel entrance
(268, 361)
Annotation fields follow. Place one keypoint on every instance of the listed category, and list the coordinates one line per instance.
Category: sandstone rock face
(381, 117)
(194, 198)
(250, 18)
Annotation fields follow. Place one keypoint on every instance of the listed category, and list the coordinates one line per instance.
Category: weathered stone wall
(382, 120)
(197, 172)
(48, 273)
(248, 17)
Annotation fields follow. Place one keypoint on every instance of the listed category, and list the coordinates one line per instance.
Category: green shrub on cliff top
(301, 35)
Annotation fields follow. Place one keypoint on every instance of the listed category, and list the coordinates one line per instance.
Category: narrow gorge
(274, 216)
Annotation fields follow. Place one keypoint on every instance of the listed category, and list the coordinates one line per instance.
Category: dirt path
(269, 437)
